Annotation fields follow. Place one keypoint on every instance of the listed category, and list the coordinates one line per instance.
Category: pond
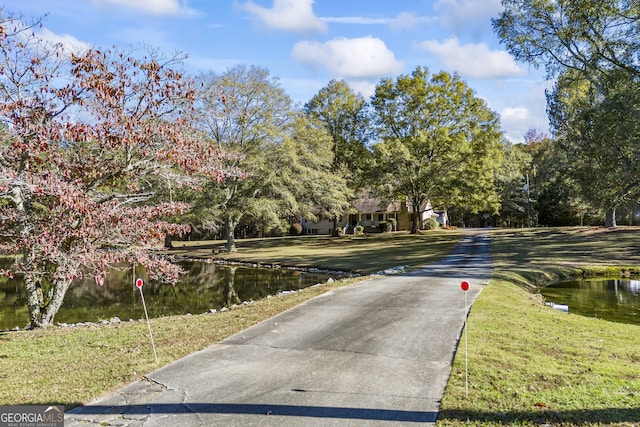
(206, 286)
(615, 299)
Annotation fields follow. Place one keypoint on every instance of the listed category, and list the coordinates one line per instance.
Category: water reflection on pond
(206, 286)
(617, 300)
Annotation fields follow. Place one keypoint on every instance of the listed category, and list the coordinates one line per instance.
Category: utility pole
(528, 203)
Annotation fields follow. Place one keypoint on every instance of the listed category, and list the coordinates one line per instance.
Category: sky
(306, 43)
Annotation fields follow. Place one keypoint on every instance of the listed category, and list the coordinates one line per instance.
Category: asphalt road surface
(376, 353)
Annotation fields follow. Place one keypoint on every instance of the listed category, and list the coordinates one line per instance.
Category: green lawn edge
(531, 365)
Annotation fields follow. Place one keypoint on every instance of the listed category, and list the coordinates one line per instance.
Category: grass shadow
(575, 417)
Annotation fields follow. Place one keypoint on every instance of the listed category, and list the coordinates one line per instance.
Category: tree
(599, 131)
(347, 118)
(286, 158)
(305, 169)
(439, 142)
(348, 121)
(244, 111)
(591, 37)
(587, 42)
(83, 136)
(510, 185)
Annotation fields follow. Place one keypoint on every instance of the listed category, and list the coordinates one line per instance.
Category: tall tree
(439, 142)
(510, 185)
(583, 40)
(83, 136)
(347, 117)
(305, 170)
(244, 112)
(600, 134)
(591, 37)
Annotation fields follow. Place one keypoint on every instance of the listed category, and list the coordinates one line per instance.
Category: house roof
(372, 204)
(367, 204)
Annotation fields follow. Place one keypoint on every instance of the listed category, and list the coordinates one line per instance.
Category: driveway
(375, 353)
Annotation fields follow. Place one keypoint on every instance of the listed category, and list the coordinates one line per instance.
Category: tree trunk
(230, 228)
(41, 314)
(610, 218)
(334, 232)
(167, 242)
(34, 300)
(414, 221)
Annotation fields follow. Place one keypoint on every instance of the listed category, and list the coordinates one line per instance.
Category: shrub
(431, 224)
(296, 229)
(359, 230)
(393, 223)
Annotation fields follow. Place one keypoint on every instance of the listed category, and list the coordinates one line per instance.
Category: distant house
(372, 213)
(442, 217)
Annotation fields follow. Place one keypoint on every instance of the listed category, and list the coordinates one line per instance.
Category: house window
(381, 217)
(368, 217)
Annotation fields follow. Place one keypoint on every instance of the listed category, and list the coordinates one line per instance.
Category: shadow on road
(471, 258)
(257, 409)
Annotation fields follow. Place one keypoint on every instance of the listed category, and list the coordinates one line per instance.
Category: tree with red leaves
(87, 139)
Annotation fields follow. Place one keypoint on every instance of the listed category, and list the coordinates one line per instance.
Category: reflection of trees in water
(203, 287)
(117, 288)
(230, 294)
(13, 300)
(611, 299)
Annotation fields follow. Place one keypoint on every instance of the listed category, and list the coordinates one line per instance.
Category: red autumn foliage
(86, 140)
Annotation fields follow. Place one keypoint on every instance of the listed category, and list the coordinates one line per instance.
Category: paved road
(375, 353)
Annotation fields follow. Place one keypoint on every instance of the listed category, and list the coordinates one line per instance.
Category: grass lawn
(532, 365)
(365, 255)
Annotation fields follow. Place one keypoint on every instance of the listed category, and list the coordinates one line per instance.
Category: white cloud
(356, 20)
(68, 42)
(363, 87)
(468, 15)
(516, 121)
(359, 58)
(473, 60)
(407, 21)
(288, 15)
(154, 7)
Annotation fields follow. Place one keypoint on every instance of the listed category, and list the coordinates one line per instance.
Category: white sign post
(139, 284)
(465, 288)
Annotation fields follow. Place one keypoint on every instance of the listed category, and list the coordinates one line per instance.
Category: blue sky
(306, 43)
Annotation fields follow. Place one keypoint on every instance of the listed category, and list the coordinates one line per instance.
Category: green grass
(365, 255)
(532, 365)
(535, 257)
